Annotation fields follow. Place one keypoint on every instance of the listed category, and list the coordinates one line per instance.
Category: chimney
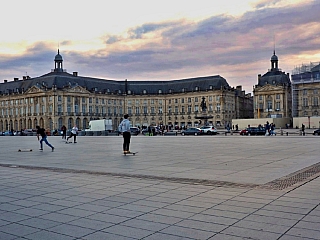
(24, 77)
(15, 79)
(5, 81)
(75, 74)
(259, 76)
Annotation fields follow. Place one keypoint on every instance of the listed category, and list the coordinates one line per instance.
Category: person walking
(124, 129)
(73, 134)
(64, 132)
(42, 132)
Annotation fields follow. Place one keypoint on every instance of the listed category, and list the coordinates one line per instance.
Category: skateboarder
(124, 129)
(73, 134)
(42, 132)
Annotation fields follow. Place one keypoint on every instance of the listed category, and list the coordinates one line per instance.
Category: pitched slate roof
(274, 78)
(64, 79)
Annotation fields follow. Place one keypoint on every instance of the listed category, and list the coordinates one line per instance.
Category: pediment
(78, 89)
(34, 89)
(268, 88)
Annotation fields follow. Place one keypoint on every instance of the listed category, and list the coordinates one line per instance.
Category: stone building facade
(306, 90)
(60, 98)
(272, 94)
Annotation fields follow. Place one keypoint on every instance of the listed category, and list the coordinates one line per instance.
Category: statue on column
(203, 104)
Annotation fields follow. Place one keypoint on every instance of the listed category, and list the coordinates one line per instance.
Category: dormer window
(210, 87)
(196, 88)
(119, 91)
(144, 91)
(129, 91)
(170, 91)
(160, 91)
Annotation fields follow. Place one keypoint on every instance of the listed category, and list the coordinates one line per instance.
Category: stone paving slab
(89, 190)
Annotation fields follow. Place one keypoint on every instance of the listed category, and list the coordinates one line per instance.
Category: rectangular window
(305, 102)
(97, 109)
(260, 97)
(129, 110)
(83, 100)
(182, 109)
(84, 108)
(169, 109)
(137, 110)
(315, 101)
(152, 110)
(305, 91)
(196, 108)
(145, 110)
(160, 102)
(68, 108)
(278, 96)
(59, 98)
(160, 110)
(152, 101)
(210, 98)
(90, 109)
(176, 109)
(69, 99)
(182, 100)
(277, 106)
(189, 100)
(59, 108)
(260, 105)
(90, 100)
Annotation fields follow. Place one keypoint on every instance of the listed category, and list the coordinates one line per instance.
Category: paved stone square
(197, 187)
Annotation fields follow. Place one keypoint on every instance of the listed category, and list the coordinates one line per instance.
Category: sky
(158, 40)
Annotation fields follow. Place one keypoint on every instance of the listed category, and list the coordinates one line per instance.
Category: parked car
(134, 131)
(316, 132)
(253, 131)
(210, 130)
(192, 131)
(154, 130)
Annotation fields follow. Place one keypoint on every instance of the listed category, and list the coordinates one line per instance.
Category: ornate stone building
(272, 94)
(306, 90)
(60, 98)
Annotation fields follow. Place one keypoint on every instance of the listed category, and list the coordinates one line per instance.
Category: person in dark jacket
(42, 132)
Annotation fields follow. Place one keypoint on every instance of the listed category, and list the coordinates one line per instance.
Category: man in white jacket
(124, 129)
(73, 134)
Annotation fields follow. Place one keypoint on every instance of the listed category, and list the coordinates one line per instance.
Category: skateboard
(25, 150)
(132, 153)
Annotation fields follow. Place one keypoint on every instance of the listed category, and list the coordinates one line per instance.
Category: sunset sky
(158, 40)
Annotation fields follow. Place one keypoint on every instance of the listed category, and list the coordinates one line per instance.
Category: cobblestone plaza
(197, 187)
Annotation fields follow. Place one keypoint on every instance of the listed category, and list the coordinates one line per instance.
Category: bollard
(281, 132)
(225, 133)
(231, 132)
(287, 134)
